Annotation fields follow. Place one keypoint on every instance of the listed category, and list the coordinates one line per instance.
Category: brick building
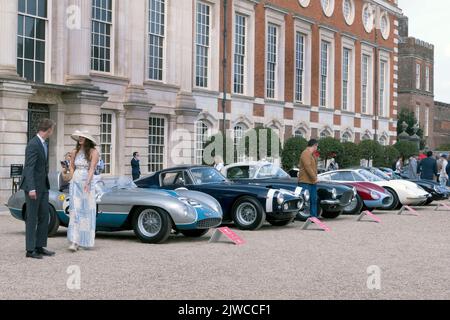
(441, 124)
(415, 84)
(141, 74)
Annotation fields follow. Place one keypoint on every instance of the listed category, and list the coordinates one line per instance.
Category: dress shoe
(45, 252)
(34, 255)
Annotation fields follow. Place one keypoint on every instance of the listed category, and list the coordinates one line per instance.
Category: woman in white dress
(83, 207)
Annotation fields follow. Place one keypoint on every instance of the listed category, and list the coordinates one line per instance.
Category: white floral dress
(83, 207)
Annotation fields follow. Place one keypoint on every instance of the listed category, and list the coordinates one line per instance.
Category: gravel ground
(276, 263)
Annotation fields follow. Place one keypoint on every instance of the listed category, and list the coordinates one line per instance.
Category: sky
(429, 21)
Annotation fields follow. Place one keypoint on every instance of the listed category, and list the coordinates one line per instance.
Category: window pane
(31, 7)
(29, 48)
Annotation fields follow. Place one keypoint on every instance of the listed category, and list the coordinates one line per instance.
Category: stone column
(137, 104)
(136, 134)
(8, 38)
(14, 97)
(79, 43)
(121, 151)
(57, 149)
(82, 112)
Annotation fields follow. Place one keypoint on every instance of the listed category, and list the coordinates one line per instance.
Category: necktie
(45, 149)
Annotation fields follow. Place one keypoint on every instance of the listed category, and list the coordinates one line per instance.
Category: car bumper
(415, 200)
(374, 203)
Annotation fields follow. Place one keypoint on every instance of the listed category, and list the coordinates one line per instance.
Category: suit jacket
(428, 169)
(135, 166)
(35, 171)
(308, 168)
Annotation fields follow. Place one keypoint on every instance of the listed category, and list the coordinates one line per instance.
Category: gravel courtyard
(412, 253)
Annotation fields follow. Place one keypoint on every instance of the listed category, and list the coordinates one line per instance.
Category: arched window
(201, 136)
(384, 141)
(299, 134)
(325, 134)
(346, 137)
(366, 137)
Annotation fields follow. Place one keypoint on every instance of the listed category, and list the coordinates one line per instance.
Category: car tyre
(248, 214)
(395, 202)
(196, 233)
(281, 223)
(152, 225)
(355, 207)
(53, 223)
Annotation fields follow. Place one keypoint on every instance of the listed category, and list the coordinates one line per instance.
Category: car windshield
(207, 176)
(369, 176)
(271, 171)
(380, 174)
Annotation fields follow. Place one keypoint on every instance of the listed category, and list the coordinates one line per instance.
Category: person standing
(399, 165)
(136, 166)
(36, 185)
(428, 167)
(411, 170)
(443, 175)
(83, 206)
(307, 176)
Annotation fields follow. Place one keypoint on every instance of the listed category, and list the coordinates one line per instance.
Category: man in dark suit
(135, 166)
(428, 167)
(36, 185)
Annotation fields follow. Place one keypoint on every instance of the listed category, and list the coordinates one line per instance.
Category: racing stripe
(269, 200)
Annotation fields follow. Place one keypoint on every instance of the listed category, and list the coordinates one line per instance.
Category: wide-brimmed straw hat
(85, 134)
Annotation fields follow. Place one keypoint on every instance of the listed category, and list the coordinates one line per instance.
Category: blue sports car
(247, 205)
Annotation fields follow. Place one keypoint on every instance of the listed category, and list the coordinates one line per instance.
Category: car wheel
(355, 207)
(196, 233)
(152, 225)
(248, 214)
(53, 222)
(281, 223)
(394, 202)
(330, 215)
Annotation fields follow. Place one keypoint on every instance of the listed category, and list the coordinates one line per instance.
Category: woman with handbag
(83, 207)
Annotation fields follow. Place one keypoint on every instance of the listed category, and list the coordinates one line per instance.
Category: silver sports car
(151, 214)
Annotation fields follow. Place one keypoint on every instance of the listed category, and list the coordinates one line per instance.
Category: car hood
(366, 187)
(404, 185)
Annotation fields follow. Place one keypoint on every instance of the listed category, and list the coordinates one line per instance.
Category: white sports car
(403, 192)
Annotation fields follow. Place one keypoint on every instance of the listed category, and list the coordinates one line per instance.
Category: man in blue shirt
(428, 167)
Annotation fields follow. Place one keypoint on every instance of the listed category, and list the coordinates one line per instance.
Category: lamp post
(376, 75)
(224, 64)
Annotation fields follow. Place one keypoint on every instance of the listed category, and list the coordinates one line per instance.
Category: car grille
(346, 197)
(209, 223)
(387, 200)
(293, 205)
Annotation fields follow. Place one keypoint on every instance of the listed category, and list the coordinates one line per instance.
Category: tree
(369, 149)
(387, 157)
(329, 148)
(292, 151)
(409, 117)
(406, 149)
(350, 155)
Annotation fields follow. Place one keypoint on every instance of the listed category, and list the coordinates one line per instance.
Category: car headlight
(286, 206)
(334, 194)
(307, 195)
(300, 205)
(374, 195)
(280, 198)
(189, 211)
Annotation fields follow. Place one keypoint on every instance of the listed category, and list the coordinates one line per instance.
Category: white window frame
(199, 145)
(246, 9)
(277, 19)
(328, 37)
(417, 113)
(418, 76)
(166, 146)
(349, 44)
(113, 140)
(305, 29)
(112, 41)
(147, 46)
(48, 42)
(369, 52)
(384, 57)
(427, 78)
(427, 122)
